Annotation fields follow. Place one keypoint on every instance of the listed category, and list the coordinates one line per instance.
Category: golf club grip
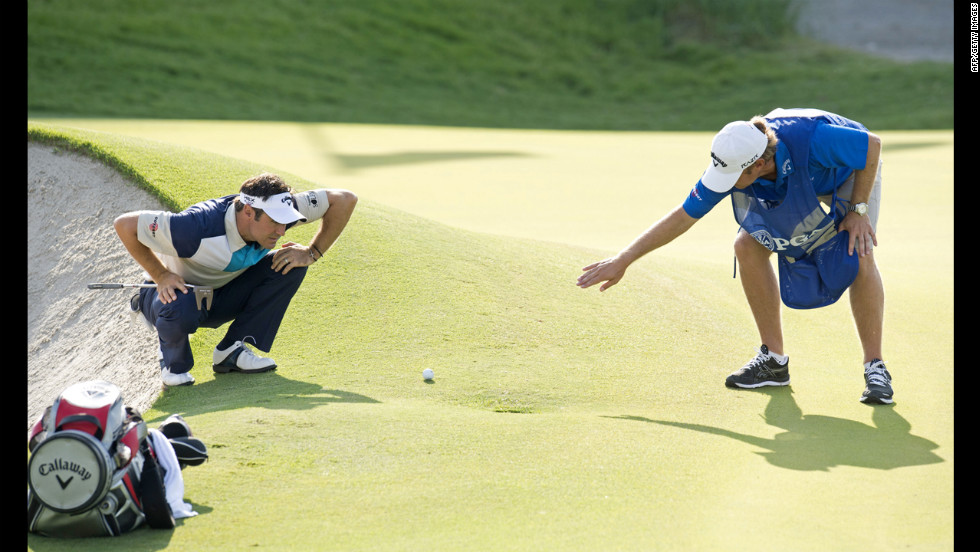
(105, 286)
(118, 286)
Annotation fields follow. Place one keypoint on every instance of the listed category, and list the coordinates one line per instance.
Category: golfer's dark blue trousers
(254, 302)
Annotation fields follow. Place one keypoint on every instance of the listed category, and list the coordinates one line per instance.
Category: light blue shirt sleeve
(837, 146)
(835, 152)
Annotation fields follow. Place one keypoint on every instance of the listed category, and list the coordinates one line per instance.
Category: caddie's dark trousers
(254, 303)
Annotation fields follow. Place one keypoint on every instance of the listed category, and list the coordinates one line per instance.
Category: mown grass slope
(346, 434)
(562, 64)
(558, 419)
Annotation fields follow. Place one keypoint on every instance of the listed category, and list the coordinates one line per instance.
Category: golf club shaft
(121, 286)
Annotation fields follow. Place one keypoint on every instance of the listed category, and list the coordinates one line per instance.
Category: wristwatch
(860, 208)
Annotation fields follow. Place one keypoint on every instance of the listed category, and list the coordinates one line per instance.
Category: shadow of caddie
(818, 443)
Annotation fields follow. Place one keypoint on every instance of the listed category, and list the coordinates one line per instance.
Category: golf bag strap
(83, 418)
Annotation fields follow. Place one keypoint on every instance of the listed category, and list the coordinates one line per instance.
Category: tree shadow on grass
(890, 147)
(267, 390)
(352, 163)
(818, 443)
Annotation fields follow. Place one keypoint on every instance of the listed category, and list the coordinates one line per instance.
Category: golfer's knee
(167, 326)
(294, 276)
(180, 316)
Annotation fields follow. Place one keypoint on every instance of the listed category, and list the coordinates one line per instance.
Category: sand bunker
(73, 333)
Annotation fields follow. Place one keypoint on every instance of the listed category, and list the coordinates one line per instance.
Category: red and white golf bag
(93, 468)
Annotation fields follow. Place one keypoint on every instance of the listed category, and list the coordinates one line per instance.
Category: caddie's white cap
(735, 147)
(279, 207)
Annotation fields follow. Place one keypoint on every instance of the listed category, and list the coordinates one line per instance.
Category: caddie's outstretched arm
(342, 203)
(662, 232)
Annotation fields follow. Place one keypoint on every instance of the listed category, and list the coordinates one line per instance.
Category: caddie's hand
(168, 284)
(610, 271)
(861, 236)
(290, 256)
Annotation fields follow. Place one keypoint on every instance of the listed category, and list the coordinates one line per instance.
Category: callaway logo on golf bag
(92, 469)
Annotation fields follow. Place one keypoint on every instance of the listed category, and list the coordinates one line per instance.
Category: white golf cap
(735, 147)
(279, 207)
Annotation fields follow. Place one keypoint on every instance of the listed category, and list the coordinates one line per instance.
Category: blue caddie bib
(814, 267)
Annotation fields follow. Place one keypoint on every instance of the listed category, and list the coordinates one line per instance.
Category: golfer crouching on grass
(780, 170)
(226, 243)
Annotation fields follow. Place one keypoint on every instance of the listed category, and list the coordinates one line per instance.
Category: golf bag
(92, 470)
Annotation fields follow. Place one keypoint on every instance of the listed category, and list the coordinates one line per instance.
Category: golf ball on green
(427, 374)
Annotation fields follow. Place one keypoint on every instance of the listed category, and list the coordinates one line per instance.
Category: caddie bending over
(227, 243)
(780, 171)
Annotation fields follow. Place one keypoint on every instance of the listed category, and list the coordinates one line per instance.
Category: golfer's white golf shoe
(174, 380)
(239, 358)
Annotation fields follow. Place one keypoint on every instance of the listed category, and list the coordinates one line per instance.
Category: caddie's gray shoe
(761, 371)
(239, 358)
(175, 380)
(878, 384)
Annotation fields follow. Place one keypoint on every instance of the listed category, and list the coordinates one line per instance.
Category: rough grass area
(560, 64)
